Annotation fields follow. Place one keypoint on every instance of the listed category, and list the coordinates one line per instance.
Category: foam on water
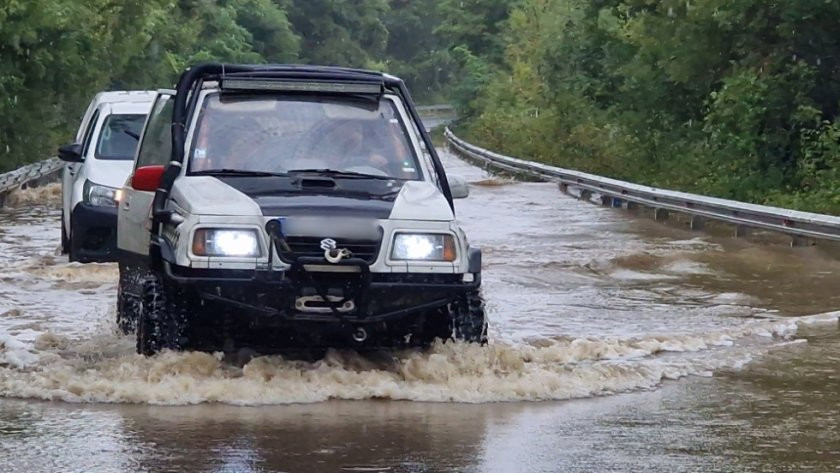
(48, 268)
(49, 194)
(105, 369)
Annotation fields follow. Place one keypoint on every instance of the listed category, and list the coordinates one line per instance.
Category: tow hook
(332, 252)
(360, 335)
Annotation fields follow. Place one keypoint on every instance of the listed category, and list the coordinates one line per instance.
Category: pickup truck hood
(108, 172)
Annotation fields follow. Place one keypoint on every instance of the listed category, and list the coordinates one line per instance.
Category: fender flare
(474, 260)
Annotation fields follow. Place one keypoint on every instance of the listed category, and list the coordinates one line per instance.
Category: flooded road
(651, 348)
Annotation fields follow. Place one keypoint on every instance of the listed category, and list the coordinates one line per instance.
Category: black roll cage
(192, 79)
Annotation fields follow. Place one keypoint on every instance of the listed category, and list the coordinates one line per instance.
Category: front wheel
(128, 309)
(467, 321)
(65, 240)
(163, 320)
(128, 298)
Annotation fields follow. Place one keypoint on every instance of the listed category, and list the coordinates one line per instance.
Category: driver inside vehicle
(353, 145)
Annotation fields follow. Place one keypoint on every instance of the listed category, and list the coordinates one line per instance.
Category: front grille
(366, 250)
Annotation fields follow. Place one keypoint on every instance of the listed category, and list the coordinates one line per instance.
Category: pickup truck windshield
(279, 134)
(119, 136)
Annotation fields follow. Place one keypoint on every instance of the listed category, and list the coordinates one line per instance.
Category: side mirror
(459, 187)
(147, 178)
(71, 153)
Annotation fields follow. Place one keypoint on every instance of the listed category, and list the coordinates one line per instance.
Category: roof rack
(303, 72)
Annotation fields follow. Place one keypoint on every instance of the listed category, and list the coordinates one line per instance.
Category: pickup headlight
(224, 242)
(423, 247)
(99, 196)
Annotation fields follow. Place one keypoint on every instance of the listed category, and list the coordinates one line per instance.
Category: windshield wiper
(236, 172)
(340, 174)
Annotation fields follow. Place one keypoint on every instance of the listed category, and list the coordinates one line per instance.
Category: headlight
(217, 242)
(423, 247)
(99, 196)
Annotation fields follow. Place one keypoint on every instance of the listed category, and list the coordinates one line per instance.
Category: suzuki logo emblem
(332, 253)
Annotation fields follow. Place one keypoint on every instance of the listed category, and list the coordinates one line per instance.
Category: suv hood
(236, 196)
(108, 172)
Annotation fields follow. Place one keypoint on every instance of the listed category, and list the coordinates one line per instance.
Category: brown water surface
(618, 344)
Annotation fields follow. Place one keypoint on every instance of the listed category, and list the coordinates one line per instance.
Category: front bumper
(377, 297)
(93, 237)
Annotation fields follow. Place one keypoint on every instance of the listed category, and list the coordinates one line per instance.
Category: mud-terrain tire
(65, 240)
(128, 311)
(467, 321)
(72, 251)
(163, 320)
(128, 297)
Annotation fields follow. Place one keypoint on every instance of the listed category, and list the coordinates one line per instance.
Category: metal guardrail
(435, 116)
(617, 193)
(29, 175)
(440, 108)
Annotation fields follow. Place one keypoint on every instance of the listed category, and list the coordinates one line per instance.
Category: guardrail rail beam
(744, 216)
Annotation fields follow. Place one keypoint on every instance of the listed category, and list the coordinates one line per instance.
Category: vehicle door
(73, 172)
(134, 220)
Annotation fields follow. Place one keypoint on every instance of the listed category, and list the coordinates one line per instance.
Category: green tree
(473, 30)
(54, 54)
(185, 32)
(339, 32)
(735, 98)
(414, 52)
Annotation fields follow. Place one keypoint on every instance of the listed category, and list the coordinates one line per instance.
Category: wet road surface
(649, 347)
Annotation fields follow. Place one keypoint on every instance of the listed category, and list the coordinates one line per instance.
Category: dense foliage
(734, 98)
(55, 54)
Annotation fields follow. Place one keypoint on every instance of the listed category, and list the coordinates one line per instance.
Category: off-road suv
(292, 207)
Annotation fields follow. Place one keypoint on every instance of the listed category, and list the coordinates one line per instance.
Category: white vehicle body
(275, 226)
(206, 201)
(95, 170)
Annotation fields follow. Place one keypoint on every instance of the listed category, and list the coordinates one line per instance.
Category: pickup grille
(367, 250)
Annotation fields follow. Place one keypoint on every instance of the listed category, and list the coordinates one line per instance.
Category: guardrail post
(564, 188)
(660, 215)
(585, 194)
(698, 222)
(631, 205)
(606, 201)
(797, 241)
(742, 231)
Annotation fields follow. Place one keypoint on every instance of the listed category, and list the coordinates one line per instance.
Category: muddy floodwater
(617, 344)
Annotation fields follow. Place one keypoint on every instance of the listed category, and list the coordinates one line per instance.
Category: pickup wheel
(65, 240)
(162, 323)
(467, 321)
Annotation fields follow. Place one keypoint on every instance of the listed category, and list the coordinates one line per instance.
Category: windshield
(119, 136)
(283, 134)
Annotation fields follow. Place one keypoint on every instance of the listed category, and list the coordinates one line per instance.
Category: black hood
(283, 196)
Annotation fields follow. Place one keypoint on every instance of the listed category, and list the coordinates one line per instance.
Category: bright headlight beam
(416, 246)
(232, 243)
(423, 247)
